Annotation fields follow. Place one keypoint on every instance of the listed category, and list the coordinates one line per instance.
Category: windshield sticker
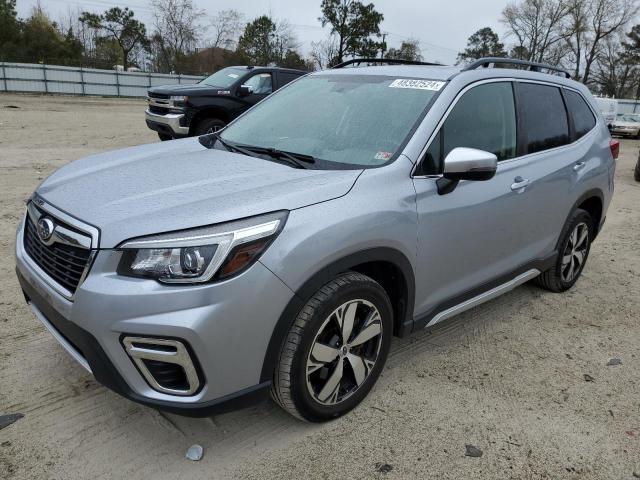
(224, 92)
(233, 75)
(417, 84)
(383, 156)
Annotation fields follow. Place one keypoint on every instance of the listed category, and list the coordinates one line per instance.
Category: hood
(192, 89)
(181, 184)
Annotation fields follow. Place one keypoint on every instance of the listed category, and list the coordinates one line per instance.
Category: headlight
(201, 254)
(178, 101)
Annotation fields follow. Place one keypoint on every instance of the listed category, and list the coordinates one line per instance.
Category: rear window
(543, 117)
(583, 119)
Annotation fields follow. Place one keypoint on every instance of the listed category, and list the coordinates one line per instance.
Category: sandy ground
(507, 377)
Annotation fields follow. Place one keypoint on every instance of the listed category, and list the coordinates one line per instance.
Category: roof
(446, 73)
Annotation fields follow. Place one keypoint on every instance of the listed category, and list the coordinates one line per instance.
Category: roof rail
(533, 66)
(387, 61)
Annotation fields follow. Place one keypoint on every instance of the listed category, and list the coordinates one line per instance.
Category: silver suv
(283, 253)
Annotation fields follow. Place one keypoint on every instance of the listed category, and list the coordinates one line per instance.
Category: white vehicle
(626, 126)
(608, 108)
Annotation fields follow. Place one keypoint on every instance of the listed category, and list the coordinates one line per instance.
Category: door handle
(578, 166)
(520, 184)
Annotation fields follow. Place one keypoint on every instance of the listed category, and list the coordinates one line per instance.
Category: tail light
(614, 145)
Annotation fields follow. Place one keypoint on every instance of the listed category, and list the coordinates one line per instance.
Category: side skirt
(484, 293)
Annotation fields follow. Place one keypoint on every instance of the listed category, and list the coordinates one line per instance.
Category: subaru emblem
(45, 229)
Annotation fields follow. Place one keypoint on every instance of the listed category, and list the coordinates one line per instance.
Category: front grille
(158, 95)
(64, 263)
(158, 110)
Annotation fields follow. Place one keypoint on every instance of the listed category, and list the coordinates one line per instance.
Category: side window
(543, 116)
(484, 118)
(261, 83)
(583, 119)
(287, 77)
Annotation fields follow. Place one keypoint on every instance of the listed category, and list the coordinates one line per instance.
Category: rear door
(485, 233)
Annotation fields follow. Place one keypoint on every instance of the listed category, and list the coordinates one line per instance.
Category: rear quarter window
(543, 117)
(581, 114)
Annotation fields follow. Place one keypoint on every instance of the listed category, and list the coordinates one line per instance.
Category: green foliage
(293, 59)
(37, 39)
(484, 43)
(257, 45)
(9, 29)
(353, 23)
(409, 50)
(120, 25)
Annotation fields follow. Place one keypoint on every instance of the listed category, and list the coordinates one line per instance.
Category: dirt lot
(507, 377)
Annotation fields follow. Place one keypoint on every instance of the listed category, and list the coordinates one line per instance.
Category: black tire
(555, 279)
(164, 137)
(636, 172)
(290, 383)
(209, 125)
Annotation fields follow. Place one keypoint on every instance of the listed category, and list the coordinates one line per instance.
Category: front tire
(573, 251)
(209, 125)
(335, 350)
(164, 137)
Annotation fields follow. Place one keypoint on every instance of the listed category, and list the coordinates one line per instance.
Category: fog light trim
(162, 350)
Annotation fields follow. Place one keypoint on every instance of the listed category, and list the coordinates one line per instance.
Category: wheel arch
(376, 263)
(592, 202)
(210, 112)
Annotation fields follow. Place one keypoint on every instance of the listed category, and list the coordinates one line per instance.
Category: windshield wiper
(296, 159)
(234, 148)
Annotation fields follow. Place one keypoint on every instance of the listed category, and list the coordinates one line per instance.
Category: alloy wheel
(344, 352)
(575, 253)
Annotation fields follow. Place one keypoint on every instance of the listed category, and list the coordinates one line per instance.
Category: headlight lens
(178, 100)
(202, 254)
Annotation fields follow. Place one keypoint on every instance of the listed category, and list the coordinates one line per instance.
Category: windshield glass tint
(353, 120)
(223, 78)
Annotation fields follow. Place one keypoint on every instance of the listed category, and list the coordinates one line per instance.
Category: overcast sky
(442, 26)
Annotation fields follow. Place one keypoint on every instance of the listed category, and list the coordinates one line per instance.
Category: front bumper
(623, 132)
(228, 335)
(169, 124)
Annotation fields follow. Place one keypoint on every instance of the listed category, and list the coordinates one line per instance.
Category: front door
(472, 239)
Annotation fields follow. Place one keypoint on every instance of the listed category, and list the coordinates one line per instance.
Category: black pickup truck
(177, 111)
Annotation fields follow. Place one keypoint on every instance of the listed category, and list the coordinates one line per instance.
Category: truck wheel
(573, 250)
(636, 172)
(209, 125)
(164, 137)
(335, 349)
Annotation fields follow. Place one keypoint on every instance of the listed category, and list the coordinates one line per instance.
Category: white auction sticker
(417, 84)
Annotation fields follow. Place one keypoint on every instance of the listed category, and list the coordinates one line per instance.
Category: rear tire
(320, 375)
(164, 137)
(573, 251)
(209, 125)
(636, 172)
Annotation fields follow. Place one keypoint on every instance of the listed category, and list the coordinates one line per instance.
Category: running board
(484, 297)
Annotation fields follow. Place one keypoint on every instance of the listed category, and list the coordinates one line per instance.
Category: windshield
(223, 78)
(353, 121)
(629, 118)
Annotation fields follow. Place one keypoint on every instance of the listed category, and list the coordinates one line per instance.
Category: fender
(320, 278)
(594, 192)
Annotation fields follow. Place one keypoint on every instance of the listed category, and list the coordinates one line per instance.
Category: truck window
(262, 83)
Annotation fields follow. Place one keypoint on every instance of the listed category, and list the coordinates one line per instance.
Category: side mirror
(466, 164)
(244, 90)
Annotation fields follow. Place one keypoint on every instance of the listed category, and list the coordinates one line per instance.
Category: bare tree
(227, 27)
(176, 32)
(602, 19)
(324, 52)
(536, 25)
(614, 73)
